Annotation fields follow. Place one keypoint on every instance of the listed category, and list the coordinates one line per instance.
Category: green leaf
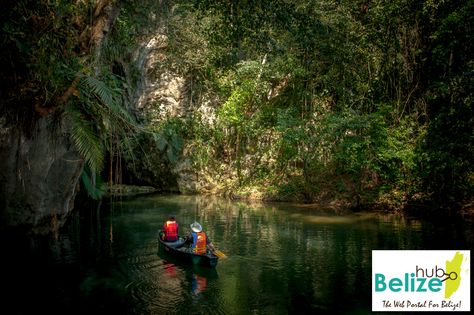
(171, 155)
(95, 191)
(160, 141)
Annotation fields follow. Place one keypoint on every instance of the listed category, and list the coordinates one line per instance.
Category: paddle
(217, 252)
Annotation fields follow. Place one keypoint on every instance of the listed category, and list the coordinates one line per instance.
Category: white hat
(196, 227)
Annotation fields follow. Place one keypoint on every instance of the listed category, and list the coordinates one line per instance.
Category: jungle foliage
(367, 101)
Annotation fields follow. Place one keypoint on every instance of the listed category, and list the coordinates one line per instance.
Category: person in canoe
(170, 229)
(197, 240)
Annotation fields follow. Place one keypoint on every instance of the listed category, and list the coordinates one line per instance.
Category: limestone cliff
(165, 94)
(38, 177)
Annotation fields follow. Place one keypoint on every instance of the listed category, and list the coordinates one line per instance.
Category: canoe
(176, 249)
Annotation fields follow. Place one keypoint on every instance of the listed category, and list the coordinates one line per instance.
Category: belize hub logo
(421, 280)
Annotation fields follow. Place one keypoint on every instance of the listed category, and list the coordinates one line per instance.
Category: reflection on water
(281, 259)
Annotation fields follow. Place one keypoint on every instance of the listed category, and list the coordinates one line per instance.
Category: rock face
(165, 94)
(38, 177)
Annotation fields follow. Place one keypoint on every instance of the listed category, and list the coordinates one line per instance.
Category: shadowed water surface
(282, 259)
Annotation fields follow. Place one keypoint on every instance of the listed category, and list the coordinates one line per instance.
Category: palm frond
(108, 97)
(99, 122)
(85, 139)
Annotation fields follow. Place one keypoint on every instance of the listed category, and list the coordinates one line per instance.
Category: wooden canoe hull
(176, 249)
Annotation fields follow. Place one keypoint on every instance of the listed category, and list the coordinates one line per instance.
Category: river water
(281, 259)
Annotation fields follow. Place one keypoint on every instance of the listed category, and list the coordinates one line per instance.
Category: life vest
(171, 231)
(199, 243)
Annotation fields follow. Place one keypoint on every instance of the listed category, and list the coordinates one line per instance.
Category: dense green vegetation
(370, 101)
(366, 102)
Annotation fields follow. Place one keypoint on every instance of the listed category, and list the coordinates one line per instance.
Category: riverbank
(339, 202)
(128, 190)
